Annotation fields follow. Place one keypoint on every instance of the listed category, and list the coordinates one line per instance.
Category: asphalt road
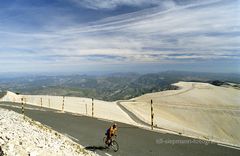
(132, 115)
(133, 141)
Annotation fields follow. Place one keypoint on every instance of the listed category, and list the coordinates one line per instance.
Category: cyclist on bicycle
(112, 131)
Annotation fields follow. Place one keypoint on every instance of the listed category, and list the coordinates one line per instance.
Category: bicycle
(113, 143)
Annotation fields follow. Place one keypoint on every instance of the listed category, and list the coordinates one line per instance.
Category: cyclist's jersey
(112, 131)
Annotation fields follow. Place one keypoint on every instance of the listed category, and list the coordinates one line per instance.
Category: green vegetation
(2, 94)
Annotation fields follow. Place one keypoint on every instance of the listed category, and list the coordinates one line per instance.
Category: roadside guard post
(23, 106)
(63, 103)
(41, 101)
(92, 108)
(49, 102)
(152, 115)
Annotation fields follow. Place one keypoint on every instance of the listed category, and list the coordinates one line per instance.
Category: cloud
(112, 4)
(199, 28)
(189, 32)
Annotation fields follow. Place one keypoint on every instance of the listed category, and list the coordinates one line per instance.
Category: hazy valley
(109, 87)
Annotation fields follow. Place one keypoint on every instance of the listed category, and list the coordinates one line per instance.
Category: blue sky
(119, 35)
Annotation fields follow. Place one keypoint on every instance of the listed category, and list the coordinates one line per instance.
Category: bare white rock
(25, 137)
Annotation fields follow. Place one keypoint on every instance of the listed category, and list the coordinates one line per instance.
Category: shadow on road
(94, 148)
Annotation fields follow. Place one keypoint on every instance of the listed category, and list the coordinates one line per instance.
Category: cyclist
(112, 131)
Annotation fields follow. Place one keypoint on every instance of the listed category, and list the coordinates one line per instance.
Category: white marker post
(92, 108)
(152, 115)
(49, 102)
(22, 107)
(41, 101)
(63, 103)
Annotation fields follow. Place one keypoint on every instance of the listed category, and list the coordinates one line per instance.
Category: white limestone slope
(19, 137)
(102, 109)
(196, 109)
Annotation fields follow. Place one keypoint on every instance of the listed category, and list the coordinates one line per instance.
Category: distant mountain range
(108, 87)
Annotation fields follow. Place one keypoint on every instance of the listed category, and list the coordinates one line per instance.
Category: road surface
(133, 141)
(132, 115)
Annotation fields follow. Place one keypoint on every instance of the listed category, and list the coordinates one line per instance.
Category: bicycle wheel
(104, 140)
(114, 146)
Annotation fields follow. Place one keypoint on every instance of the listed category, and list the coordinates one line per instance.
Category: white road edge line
(108, 154)
(229, 146)
(71, 137)
(104, 120)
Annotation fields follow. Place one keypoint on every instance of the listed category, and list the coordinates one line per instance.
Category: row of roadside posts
(24, 101)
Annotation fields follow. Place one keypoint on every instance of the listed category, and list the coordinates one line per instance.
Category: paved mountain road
(133, 141)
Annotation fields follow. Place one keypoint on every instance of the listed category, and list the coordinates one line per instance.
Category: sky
(39, 36)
